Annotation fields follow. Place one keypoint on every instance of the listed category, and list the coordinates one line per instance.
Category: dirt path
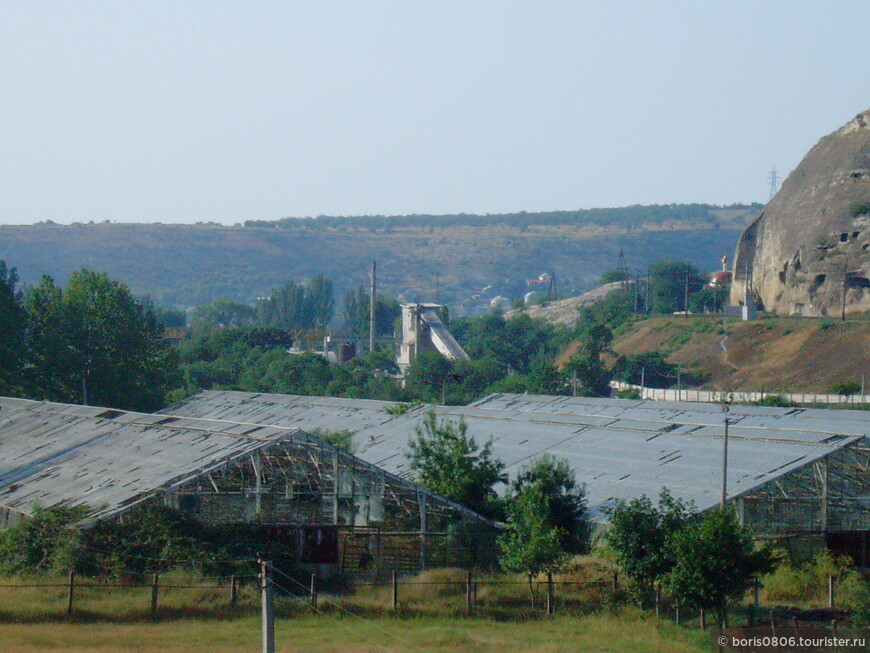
(725, 352)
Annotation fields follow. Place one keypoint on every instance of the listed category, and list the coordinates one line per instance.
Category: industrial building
(423, 330)
(795, 475)
(332, 509)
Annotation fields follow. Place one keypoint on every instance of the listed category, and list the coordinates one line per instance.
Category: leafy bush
(150, 538)
(806, 582)
(854, 593)
(47, 542)
(774, 401)
(859, 208)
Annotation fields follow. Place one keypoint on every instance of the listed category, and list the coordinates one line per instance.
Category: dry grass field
(775, 354)
(431, 618)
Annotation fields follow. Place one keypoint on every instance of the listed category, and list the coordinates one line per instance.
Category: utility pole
(622, 272)
(725, 409)
(268, 607)
(372, 304)
(636, 290)
(686, 296)
(845, 276)
(551, 289)
(646, 306)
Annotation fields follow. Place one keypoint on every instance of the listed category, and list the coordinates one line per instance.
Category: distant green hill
(454, 256)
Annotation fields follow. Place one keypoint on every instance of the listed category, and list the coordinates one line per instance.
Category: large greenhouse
(795, 475)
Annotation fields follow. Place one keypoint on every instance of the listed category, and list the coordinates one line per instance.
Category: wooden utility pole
(551, 602)
(372, 305)
(469, 597)
(267, 606)
(845, 276)
(686, 296)
(71, 592)
(155, 588)
(725, 408)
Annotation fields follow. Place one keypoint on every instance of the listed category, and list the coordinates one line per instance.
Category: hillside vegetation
(775, 355)
(462, 260)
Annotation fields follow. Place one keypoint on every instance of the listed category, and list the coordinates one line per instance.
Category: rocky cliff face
(810, 244)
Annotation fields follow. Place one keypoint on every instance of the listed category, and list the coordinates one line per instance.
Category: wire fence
(471, 595)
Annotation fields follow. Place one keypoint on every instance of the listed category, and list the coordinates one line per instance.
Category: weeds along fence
(439, 592)
(75, 594)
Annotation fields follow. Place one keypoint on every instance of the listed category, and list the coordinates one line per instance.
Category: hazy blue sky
(187, 111)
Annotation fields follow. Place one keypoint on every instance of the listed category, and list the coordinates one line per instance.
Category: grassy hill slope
(777, 355)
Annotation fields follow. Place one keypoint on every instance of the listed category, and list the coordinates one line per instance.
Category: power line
(773, 178)
(368, 622)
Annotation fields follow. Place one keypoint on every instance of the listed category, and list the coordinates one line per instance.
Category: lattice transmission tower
(773, 178)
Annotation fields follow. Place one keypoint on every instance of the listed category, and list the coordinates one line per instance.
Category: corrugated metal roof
(620, 449)
(107, 459)
(74, 455)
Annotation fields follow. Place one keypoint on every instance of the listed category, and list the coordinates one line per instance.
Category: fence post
(72, 587)
(267, 607)
(703, 619)
(234, 591)
(551, 606)
(395, 592)
(469, 599)
(831, 599)
(658, 599)
(155, 584)
(314, 592)
(677, 615)
(615, 581)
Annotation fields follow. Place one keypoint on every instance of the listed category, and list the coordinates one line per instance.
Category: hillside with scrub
(461, 260)
(773, 355)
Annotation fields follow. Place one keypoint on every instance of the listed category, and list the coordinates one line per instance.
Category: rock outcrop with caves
(810, 245)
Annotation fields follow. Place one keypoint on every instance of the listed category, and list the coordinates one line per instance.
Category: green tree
(612, 276)
(639, 534)
(429, 374)
(531, 544)
(319, 301)
(565, 500)
(12, 330)
(649, 367)
(356, 312)
(93, 342)
(713, 561)
(669, 281)
(298, 306)
(222, 314)
(588, 375)
(845, 388)
(710, 299)
(450, 463)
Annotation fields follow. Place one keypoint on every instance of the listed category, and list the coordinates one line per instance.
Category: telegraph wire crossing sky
(218, 111)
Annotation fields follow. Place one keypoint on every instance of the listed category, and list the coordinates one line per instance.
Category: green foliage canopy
(713, 561)
(639, 534)
(93, 342)
(450, 463)
(531, 543)
(565, 500)
(12, 331)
